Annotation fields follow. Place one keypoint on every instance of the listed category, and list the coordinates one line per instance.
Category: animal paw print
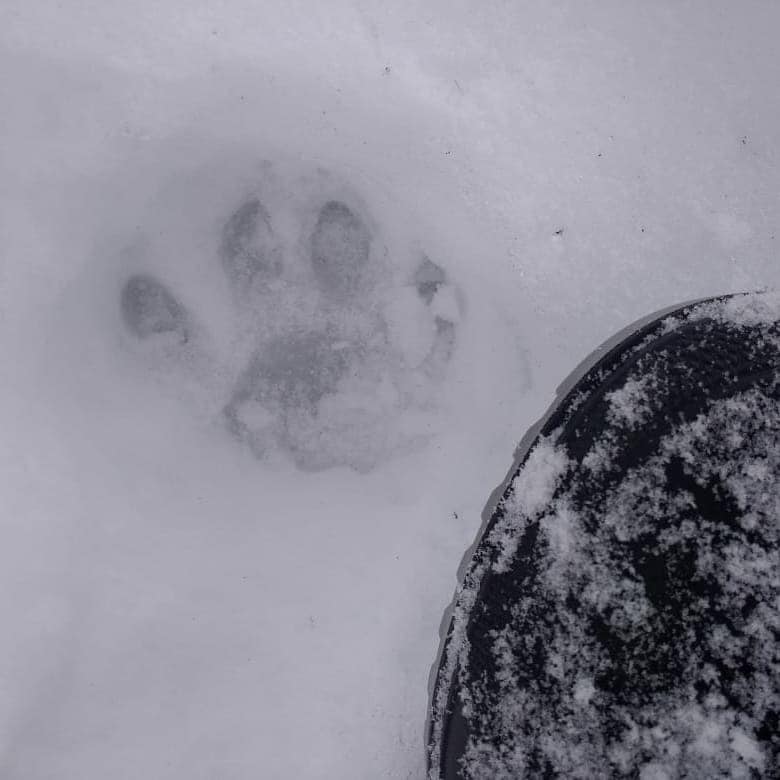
(340, 349)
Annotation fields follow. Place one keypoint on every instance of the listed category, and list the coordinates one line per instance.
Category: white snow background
(173, 607)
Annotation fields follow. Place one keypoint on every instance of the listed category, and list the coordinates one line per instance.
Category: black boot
(620, 614)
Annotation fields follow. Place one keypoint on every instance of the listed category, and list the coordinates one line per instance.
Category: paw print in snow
(340, 349)
(150, 309)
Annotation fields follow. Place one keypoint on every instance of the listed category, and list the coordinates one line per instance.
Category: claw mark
(443, 347)
(428, 278)
(248, 251)
(149, 308)
(340, 246)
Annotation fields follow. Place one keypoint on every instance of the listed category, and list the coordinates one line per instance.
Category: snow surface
(177, 603)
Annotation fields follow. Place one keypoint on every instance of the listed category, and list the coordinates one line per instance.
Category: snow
(186, 599)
